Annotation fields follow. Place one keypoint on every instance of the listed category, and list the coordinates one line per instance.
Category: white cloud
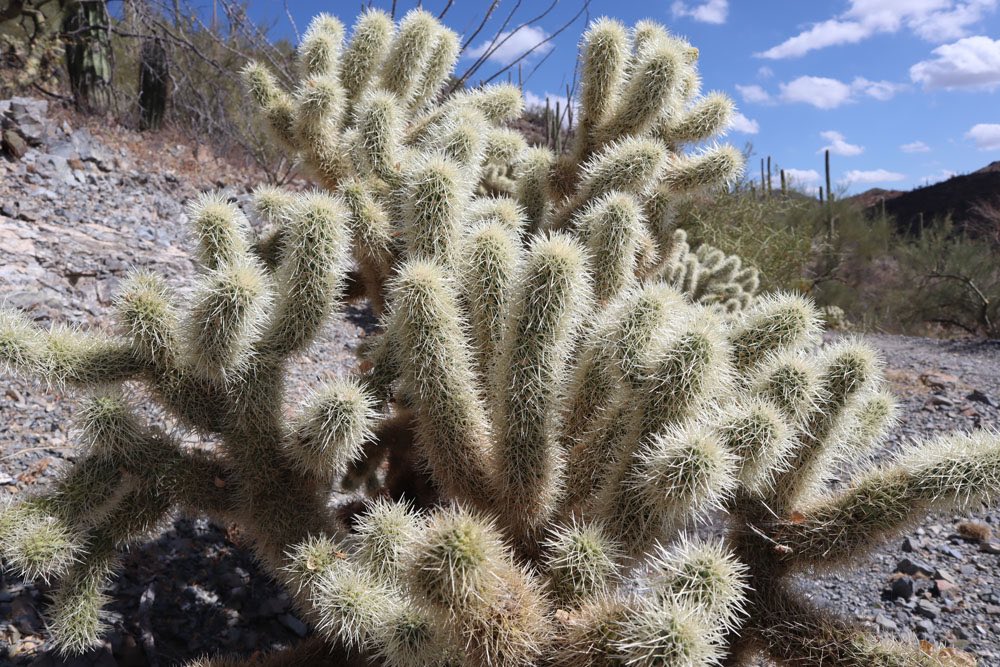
(985, 135)
(826, 93)
(802, 176)
(744, 125)
(838, 144)
(880, 90)
(915, 147)
(973, 62)
(711, 11)
(942, 175)
(931, 20)
(753, 94)
(765, 72)
(872, 176)
(818, 91)
(514, 45)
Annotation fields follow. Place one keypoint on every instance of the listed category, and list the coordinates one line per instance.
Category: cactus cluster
(576, 393)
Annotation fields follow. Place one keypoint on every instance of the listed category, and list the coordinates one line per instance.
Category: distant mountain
(958, 196)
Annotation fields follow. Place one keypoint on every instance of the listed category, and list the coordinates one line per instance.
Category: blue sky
(904, 92)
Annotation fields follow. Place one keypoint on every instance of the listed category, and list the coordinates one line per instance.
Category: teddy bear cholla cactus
(574, 412)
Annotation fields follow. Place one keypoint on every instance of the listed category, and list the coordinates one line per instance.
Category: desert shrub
(949, 279)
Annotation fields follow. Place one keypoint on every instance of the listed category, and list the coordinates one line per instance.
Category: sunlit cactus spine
(545, 416)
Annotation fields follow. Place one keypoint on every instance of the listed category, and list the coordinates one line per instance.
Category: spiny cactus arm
(319, 51)
(370, 40)
(35, 543)
(503, 146)
(612, 227)
(489, 265)
(532, 186)
(380, 127)
(759, 437)
(605, 50)
(329, 432)
(616, 355)
(790, 382)
(228, 313)
(851, 369)
(715, 166)
(668, 633)
(791, 629)
(709, 117)
(146, 314)
(439, 65)
(647, 94)
(954, 471)
(409, 54)
(631, 166)
(436, 192)
(453, 428)
(680, 474)
(75, 618)
(461, 574)
(64, 356)
(704, 574)
(276, 104)
(384, 534)
(351, 604)
(461, 138)
(310, 277)
(775, 323)
(580, 561)
(873, 419)
(552, 294)
(221, 229)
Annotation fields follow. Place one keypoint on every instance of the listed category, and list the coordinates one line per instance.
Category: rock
(990, 548)
(927, 609)
(949, 550)
(911, 544)
(8, 209)
(980, 397)
(924, 626)
(914, 567)
(943, 586)
(939, 380)
(294, 624)
(886, 623)
(941, 400)
(13, 144)
(901, 588)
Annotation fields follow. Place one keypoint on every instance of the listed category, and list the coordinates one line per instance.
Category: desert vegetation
(623, 444)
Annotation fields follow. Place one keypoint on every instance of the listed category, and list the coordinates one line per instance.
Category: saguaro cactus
(573, 411)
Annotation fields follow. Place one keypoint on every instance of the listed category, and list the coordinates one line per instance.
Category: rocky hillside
(958, 197)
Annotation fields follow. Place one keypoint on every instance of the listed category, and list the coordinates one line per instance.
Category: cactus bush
(576, 408)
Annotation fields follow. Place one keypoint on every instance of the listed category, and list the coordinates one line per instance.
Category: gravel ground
(71, 227)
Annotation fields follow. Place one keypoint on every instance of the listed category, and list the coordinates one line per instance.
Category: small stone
(924, 626)
(293, 624)
(980, 397)
(941, 400)
(885, 622)
(13, 144)
(902, 587)
(942, 573)
(928, 609)
(990, 548)
(911, 544)
(939, 380)
(949, 550)
(912, 567)
(943, 587)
